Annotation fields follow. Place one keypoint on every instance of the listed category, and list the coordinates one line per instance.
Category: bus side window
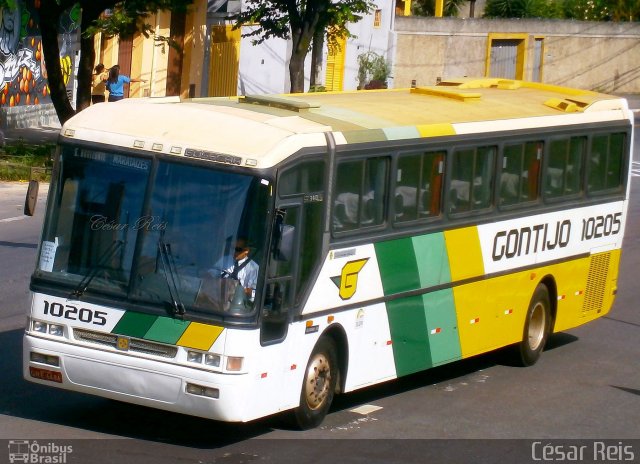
(520, 172)
(418, 186)
(564, 169)
(360, 194)
(471, 179)
(605, 162)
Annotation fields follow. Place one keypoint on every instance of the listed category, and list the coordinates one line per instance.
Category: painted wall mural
(23, 74)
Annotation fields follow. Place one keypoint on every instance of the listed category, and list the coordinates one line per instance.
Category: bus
(388, 231)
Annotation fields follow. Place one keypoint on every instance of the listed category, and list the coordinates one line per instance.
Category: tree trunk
(50, 10)
(296, 71)
(316, 57)
(301, 40)
(90, 13)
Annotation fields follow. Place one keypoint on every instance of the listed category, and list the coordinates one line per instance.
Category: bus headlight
(39, 326)
(194, 357)
(57, 330)
(212, 360)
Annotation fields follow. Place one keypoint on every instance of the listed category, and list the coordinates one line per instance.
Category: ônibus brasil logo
(33, 452)
(347, 281)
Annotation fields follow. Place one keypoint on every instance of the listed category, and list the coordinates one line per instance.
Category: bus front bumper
(135, 380)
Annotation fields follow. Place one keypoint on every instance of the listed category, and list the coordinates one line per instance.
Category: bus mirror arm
(32, 198)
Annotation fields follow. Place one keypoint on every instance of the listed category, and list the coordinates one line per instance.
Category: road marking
(366, 409)
(635, 168)
(11, 219)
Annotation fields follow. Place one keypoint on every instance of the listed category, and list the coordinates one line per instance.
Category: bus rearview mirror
(32, 198)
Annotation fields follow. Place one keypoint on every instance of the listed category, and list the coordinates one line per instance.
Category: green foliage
(20, 161)
(586, 10)
(283, 19)
(300, 21)
(129, 17)
(372, 67)
(428, 7)
(583, 10)
(520, 9)
(317, 88)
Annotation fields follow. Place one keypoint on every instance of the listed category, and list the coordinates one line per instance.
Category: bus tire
(318, 386)
(537, 326)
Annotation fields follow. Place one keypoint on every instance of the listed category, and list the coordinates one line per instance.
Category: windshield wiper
(93, 271)
(170, 274)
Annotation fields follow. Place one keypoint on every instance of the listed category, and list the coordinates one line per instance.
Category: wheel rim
(318, 381)
(537, 324)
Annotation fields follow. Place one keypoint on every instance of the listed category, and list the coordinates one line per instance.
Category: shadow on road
(36, 402)
(18, 245)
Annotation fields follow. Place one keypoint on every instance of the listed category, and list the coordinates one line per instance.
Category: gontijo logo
(347, 281)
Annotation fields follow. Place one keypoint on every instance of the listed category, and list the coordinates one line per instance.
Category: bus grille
(596, 282)
(135, 344)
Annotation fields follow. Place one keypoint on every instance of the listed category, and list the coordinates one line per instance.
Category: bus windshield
(154, 232)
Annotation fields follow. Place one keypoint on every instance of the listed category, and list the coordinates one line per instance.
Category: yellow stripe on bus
(200, 336)
(435, 130)
(465, 254)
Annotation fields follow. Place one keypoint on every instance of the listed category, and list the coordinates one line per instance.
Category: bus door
(296, 246)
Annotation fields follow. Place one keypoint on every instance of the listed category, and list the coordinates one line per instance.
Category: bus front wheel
(319, 385)
(537, 327)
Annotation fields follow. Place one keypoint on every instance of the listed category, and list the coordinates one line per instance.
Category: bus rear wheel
(319, 385)
(537, 327)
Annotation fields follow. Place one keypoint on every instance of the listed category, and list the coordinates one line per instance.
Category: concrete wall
(368, 38)
(600, 56)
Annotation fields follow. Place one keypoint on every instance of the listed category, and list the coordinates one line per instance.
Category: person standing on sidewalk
(98, 84)
(115, 83)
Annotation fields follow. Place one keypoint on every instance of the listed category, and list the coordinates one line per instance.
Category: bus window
(471, 179)
(418, 186)
(605, 162)
(360, 193)
(564, 169)
(520, 172)
(277, 299)
(305, 178)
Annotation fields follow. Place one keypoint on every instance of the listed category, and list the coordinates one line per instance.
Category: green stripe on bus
(397, 263)
(134, 324)
(442, 326)
(409, 335)
(432, 259)
(166, 330)
(361, 136)
(403, 132)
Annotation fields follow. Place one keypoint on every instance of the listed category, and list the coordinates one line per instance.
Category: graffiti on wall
(23, 74)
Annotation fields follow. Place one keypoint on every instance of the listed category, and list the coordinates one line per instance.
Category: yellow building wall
(160, 56)
(109, 51)
(195, 32)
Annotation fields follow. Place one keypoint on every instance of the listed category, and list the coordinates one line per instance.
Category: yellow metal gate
(225, 60)
(335, 65)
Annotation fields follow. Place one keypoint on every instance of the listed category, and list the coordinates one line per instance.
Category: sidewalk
(31, 135)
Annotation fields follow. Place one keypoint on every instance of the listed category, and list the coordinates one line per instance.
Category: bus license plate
(44, 374)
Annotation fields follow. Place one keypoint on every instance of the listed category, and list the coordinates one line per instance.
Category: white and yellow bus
(389, 232)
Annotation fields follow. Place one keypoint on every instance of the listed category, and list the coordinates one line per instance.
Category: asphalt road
(585, 389)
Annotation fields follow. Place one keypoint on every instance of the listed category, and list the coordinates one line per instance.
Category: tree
(428, 7)
(125, 18)
(300, 21)
(521, 9)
